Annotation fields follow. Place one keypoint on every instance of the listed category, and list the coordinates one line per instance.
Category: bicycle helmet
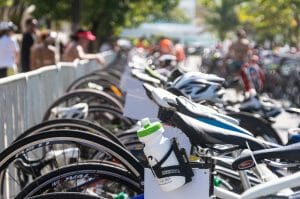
(77, 111)
(208, 77)
(8, 25)
(167, 60)
(199, 88)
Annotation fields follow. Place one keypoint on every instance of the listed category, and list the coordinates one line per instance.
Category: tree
(221, 15)
(11, 10)
(276, 20)
(106, 17)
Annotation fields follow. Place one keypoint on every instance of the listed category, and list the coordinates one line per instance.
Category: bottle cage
(182, 169)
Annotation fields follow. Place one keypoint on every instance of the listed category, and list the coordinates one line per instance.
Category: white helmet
(199, 88)
(208, 77)
(77, 111)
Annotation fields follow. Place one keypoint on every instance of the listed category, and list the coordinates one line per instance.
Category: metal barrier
(25, 97)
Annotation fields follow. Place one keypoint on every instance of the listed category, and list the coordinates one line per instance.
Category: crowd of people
(164, 46)
(244, 62)
(242, 58)
(37, 48)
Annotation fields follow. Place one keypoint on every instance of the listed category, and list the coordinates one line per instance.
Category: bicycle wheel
(30, 147)
(102, 77)
(74, 124)
(110, 118)
(89, 96)
(136, 149)
(114, 72)
(100, 82)
(126, 137)
(81, 177)
(257, 126)
(65, 196)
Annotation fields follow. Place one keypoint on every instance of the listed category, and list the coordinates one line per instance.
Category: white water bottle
(156, 147)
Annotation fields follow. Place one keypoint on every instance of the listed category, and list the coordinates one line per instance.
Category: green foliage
(221, 15)
(273, 20)
(107, 17)
(6, 3)
(276, 20)
(53, 9)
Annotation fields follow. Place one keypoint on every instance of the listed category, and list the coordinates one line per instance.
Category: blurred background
(271, 23)
(206, 28)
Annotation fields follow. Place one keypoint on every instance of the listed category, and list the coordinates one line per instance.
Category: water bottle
(156, 147)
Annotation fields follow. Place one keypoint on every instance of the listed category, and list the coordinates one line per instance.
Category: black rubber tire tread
(65, 196)
(113, 111)
(133, 143)
(112, 71)
(96, 141)
(82, 125)
(101, 77)
(118, 174)
(113, 101)
(104, 79)
(257, 126)
(125, 137)
(110, 75)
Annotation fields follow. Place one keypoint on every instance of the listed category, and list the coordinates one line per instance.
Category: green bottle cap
(121, 195)
(217, 181)
(148, 128)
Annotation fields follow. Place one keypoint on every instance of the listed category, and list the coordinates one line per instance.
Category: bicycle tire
(111, 172)
(108, 87)
(257, 126)
(101, 77)
(84, 92)
(118, 118)
(111, 70)
(96, 141)
(65, 196)
(127, 137)
(82, 125)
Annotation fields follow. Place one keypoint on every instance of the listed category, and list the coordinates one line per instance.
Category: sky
(189, 7)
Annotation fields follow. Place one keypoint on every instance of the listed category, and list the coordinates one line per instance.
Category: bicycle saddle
(144, 77)
(205, 113)
(203, 134)
(163, 98)
(200, 75)
(289, 153)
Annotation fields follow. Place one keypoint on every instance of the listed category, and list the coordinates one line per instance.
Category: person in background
(239, 51)
(43, 53)
(142, 43)
(77, 47)
(29, 37)
(179, 51)
(9, 49)
(166, 46)
(253, 76)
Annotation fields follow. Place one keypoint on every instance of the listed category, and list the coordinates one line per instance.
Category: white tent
(187, 33)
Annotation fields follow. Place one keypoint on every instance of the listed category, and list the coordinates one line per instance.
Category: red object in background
(87, 35)
(253, 76)
(179, 53)
(166, 46)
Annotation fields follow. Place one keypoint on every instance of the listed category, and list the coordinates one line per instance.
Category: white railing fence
(25, 97)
